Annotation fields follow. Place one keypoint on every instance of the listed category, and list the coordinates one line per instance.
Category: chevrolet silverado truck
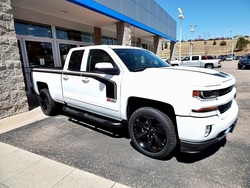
(166, 109)
(197, 61)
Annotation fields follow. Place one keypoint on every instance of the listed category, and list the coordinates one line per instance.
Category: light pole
(181, 17)
(232, 45)
(191, 45)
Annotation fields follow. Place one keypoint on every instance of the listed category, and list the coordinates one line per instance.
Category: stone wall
(13, 99)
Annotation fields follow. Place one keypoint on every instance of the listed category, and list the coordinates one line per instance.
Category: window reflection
(67, 34)
(40, 54)
(64, 49)
(37, 30)
(109, 40)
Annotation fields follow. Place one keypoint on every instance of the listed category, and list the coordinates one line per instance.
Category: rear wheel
(152, 132)
(47, 104)
(209, 66)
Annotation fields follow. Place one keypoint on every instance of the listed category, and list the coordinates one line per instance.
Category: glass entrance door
(34, 54)
(23, 67)
(40, 54)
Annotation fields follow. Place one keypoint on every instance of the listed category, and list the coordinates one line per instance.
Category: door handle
(65, 78)
(85, 81)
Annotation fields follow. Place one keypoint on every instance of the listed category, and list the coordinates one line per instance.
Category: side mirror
(106, 68)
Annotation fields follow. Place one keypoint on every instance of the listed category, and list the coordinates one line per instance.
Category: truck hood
(200, 76)
(175, 62)
(183, 76)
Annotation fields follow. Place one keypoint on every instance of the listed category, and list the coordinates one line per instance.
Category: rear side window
(195, 58)
(75, 60)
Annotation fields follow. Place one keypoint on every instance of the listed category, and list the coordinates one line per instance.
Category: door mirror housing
(106, 68)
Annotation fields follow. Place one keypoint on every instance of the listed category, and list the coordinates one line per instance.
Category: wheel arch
(42, 85)
(135, 102)
(209, 64)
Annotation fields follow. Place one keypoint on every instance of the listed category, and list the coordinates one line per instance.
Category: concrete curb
(20, 120)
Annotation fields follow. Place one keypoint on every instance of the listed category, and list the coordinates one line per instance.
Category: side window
(195, 58)
(186, 58)
(97, 56)
(75, 60)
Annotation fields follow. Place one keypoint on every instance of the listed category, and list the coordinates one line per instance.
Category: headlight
(213, 94)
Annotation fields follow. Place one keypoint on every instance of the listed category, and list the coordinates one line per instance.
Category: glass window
(195, 58)
(109, 40)
(186, 58)
(97, 56)
(75, 60)
(87, 37)
(37, 30)
(64, 49)
(138, 60)
(105, 40)
(73, 35)
(115, 42)
(40, 54)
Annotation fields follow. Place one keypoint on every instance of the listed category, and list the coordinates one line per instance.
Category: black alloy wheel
(209, 66)
(47, 104)
(152, 132)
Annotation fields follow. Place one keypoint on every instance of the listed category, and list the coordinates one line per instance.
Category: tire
(240, 67)
(47, 104)
(209, 66)
(152, 133)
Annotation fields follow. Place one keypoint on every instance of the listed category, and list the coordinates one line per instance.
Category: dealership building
(37, 33)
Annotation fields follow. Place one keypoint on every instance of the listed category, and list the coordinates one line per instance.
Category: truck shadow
(122, 132)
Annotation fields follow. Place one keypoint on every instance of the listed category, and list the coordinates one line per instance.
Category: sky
(213, 18)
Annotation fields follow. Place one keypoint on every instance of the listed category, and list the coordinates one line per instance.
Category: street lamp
(191, 45)
(232, 45)
(181, 17)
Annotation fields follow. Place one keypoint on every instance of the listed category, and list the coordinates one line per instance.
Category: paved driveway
(107, 152)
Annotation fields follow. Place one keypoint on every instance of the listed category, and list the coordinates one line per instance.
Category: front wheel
(152, 132)
(47, 104)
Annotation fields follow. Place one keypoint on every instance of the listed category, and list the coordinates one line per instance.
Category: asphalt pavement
(23, 169)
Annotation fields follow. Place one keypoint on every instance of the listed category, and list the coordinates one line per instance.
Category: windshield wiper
(139, 69)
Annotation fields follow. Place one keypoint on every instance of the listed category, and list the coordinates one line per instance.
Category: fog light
(208, 130)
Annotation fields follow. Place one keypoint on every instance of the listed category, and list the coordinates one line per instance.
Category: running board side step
(92, 117)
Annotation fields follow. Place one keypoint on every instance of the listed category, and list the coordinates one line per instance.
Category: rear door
(72, 79)
(92, 90)
(195, 61)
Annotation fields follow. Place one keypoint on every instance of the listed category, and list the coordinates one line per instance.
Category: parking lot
(107, 152)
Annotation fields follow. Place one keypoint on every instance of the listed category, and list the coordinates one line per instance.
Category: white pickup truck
(165, 108)
(197, 61)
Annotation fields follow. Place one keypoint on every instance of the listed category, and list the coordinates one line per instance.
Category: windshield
(139, 59)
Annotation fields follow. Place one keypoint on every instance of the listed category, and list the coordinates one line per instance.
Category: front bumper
(243, 66)
(196, 147)
(192, 131)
